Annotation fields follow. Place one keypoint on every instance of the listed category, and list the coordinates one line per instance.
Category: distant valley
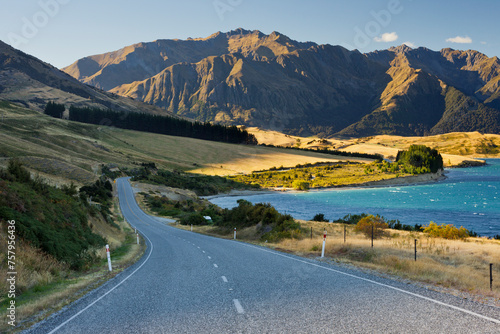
(273, 82)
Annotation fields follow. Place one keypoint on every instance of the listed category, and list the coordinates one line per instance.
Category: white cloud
(460, 39)
(410, 44)
(387, 37)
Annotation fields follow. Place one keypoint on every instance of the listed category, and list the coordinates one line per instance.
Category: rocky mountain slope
(32, 83)
(273, 82)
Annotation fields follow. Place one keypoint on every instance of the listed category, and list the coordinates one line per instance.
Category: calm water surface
(469, 197)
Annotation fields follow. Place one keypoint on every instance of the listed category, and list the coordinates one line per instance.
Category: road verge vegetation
(59, 242)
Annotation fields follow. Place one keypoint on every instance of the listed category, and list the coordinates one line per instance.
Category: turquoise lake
(469, 197)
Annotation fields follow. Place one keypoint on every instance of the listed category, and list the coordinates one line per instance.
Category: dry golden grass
(454, 147)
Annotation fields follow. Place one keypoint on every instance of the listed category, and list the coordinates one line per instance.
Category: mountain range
(273, 82)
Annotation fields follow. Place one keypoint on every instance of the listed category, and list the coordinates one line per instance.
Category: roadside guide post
(109, 257)
(235, 233)
(137, 238)
(324, 242)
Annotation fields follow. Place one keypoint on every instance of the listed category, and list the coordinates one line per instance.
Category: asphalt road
(190, 283)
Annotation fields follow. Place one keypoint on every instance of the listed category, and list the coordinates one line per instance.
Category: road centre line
(238, 306)
(224, 279)
(216, 266)
(380, 284)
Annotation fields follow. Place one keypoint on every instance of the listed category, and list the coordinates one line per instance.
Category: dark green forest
(159, 124)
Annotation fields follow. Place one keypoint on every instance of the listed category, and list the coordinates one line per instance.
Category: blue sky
(62, 31)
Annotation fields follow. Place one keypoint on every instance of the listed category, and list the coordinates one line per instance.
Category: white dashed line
(224, 279)
(216, 266)
(209, 258)
(238, 306)
(203, 252)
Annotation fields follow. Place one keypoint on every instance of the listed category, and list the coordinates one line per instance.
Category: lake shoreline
(394, 182)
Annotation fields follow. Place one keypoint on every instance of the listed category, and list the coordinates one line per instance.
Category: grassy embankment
(57, 246)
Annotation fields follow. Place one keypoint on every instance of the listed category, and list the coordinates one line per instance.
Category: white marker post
(235, 233)
(109, 257)
(324, 242)
(191, 227)
(137, 238)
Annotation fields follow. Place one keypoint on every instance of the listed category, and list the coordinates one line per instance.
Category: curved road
(191, 283)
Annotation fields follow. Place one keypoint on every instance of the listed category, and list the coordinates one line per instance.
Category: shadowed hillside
(273, 82)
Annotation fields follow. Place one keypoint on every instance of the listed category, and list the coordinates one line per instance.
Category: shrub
(320, 218)
(300, 185)
(446, 231)
(366, 224)
(193, 218)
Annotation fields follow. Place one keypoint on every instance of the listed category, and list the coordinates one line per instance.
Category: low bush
(372, 224)
(320, 218)
(300, 185)
(446, 231)
(195, 218)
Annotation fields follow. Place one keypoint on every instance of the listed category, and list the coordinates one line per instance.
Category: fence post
(109, 257)
(373, 227)
(345, 231)
(491, 276)
(311, 232)
(415, 249)
(324, 242)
